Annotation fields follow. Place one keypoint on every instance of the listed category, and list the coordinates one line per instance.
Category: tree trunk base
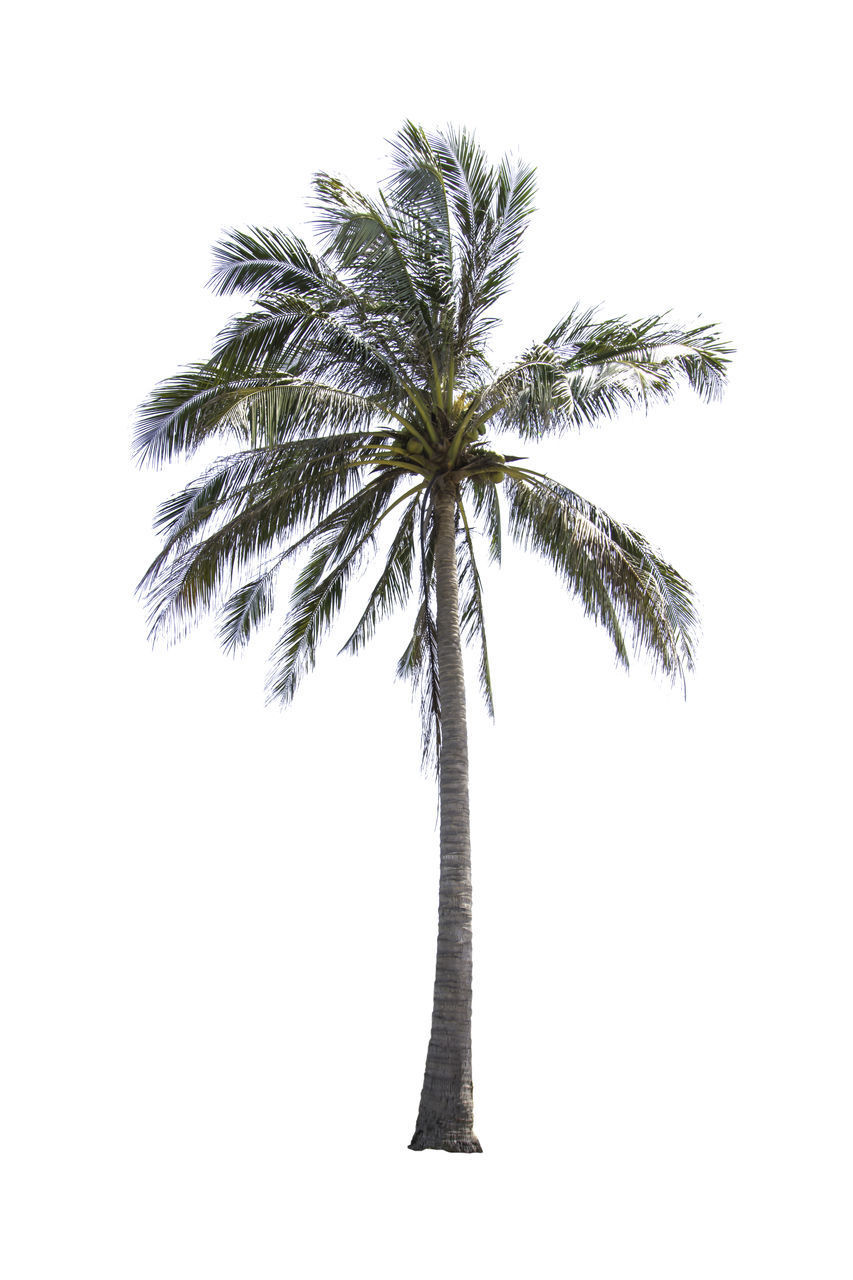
(439, 1142)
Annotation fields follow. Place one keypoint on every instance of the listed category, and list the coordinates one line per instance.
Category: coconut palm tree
(359, 401)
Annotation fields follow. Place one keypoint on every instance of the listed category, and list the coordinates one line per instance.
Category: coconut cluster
(473, 459)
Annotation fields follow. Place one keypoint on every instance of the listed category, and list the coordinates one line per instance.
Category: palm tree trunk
(446, 1115)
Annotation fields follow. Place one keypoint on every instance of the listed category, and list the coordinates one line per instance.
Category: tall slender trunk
(446, 1115)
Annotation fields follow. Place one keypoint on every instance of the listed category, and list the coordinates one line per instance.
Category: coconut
(414, 445)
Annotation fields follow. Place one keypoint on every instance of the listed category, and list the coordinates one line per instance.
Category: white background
(218, 919)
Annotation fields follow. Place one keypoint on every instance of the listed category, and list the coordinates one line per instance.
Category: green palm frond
(586, 371)
(263, 260)
(319, 590)
(471, 620)
(296, 483)
(656, 344)
(491, 209)
(183, 411)
(418, 665)
(286, 333)
(245, 610)
(487, 506)
(619, 579)
(185, 512)
(417, 183)
(385, 255)
(395, 582)
(202, 403)
(470, 183)
(316, 600)
(344, 329)
(268, 336)
(515, 187)
(190, 582)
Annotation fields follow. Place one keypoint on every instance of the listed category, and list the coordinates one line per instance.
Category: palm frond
(301, 479)
(586, 371)
(245, 610)
(182, 412)
(319, 590)
(469, 181)
(315, 601)
(655, 345)
(619, 579)
(181, 588)
(471, 620)
(284, 333)
(419, 662)
(185, 512)
(395, 582)
(380, 253)
(515, 187)
(202, 403)
(487, 505)
(419, 666)
(306, 308)
(260, 260)
(491, 208)
(417, 182)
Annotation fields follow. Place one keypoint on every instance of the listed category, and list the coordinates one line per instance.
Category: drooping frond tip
(620, 580)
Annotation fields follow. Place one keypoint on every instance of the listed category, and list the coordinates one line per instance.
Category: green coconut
(414, 445)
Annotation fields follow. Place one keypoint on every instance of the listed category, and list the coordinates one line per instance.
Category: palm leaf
(194, 580)
(245, 610)
(260, 260)
(619, 579)
(418, 665)
(487, 505)
(586, 371)
(395, 582)
(471, 619)
(319, 590)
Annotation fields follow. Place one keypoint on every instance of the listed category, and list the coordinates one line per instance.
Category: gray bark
(446, 1115)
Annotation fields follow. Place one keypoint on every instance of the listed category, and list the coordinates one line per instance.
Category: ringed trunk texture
(446, 1115)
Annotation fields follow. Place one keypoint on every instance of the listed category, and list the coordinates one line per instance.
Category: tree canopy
(358, 381)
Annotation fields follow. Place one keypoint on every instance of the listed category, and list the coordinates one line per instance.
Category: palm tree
(357, 388)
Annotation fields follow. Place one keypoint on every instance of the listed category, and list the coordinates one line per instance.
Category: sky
(217, 920)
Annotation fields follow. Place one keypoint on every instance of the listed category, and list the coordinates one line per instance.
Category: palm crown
(359, 384)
